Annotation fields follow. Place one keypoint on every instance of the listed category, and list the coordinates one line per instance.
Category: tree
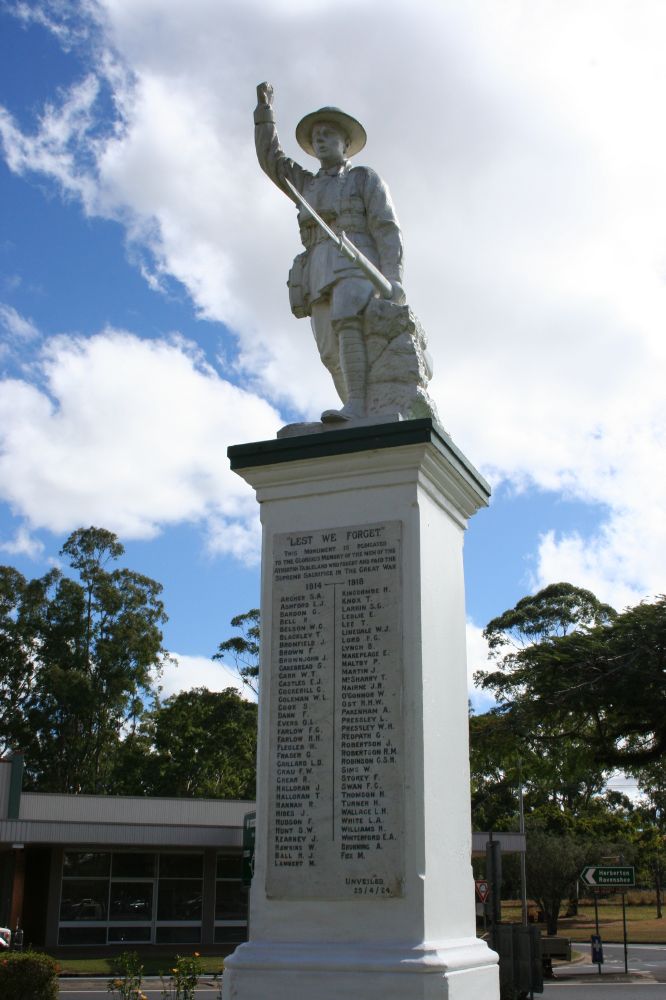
(244, 648)
(22, 605)
(553, 863)
(91, 646)
(503, 756)
(594, 679)
(554, 612)
(652, 783)
(206, 744)
(509, 739)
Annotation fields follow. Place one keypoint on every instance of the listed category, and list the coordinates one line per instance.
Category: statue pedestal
(363, 885)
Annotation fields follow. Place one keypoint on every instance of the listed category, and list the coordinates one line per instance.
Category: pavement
(646, 963)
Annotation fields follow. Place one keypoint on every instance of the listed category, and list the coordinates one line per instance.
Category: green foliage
(128, 975)
(554, 611)
(184, 977)
(595, 683)
(503, 756)
(28, 975)
(554, 862)
(76, 657)
(206, 744)
(79, 655)
(652, 783)
(244, 648)
(580, 691)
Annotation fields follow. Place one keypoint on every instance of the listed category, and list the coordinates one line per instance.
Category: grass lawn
(643, 927)
(153, 964)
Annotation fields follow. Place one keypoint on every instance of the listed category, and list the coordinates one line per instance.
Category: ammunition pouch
(297, 284)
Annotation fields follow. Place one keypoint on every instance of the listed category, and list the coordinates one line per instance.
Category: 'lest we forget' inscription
(336, 774)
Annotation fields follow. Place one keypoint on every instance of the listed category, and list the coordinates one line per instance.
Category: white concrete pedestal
(363, 885)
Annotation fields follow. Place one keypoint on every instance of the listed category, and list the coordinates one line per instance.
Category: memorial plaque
(336, 822)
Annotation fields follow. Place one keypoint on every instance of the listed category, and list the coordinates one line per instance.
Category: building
(79, 870)
(96, 870)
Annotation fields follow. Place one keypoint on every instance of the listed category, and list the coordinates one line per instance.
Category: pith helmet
(352, 129)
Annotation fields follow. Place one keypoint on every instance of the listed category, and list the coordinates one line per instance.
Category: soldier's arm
(272, 158)
(384, 228)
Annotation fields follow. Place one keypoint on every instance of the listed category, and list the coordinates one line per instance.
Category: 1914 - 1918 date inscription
(337, 800)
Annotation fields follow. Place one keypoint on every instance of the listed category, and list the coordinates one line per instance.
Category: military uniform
(323, 283)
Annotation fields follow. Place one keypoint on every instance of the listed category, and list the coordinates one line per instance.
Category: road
(650, 958)
(583, 982)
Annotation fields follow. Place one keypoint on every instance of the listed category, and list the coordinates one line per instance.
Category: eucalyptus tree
(90, 644)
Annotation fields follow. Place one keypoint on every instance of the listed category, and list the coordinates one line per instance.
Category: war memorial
(363, 885)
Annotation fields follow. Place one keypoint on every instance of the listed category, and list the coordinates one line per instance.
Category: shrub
(184, 977)
(126, 982)
(28, 975)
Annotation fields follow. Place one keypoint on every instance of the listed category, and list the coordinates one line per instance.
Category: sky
(144, 320)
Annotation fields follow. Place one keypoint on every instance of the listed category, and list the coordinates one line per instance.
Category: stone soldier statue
(338, 290)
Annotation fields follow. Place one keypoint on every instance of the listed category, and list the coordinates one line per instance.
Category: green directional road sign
(249, 830)
(614, 877)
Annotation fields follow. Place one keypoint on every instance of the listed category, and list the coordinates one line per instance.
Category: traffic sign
(482, 889)
(597, 950)
(608, 878)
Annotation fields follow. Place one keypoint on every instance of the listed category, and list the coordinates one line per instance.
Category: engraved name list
(336, 755)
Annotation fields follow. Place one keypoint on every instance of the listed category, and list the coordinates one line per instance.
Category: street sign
(482, 889)
(614, 877)
(249, 829)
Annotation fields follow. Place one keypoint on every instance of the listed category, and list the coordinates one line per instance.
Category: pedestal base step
(453, 970)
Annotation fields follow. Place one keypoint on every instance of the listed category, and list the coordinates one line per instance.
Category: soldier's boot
(354, 364)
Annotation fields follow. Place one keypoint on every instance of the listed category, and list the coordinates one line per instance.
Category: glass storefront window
(181, 865)
(133, 866)
(84, 899)
(131, 901)
(230, 901)
(178, 935)
(179, 899)
(130, 934)
(82, 935)
(229, 866)
(230, 935)
(86, 863)
(140, 897)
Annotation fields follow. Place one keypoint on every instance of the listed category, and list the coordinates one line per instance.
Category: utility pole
(523, 859)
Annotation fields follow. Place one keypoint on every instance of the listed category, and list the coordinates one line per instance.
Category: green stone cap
(348, 440)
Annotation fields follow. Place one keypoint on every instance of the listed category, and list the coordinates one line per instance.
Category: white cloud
(23, 544)
(131, 434)
(528, 174)
(183, 672)
(17, 326)
(477, 660)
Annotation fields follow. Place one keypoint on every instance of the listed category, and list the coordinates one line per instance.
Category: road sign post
(608, 877)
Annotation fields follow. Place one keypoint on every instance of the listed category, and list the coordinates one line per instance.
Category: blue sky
(144, 324)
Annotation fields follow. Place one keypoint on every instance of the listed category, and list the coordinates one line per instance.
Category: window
(86, 863)
(230, 899)
(134, 865)
(134, 897)
(179, 899)
(131, 901)
(84, 899)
